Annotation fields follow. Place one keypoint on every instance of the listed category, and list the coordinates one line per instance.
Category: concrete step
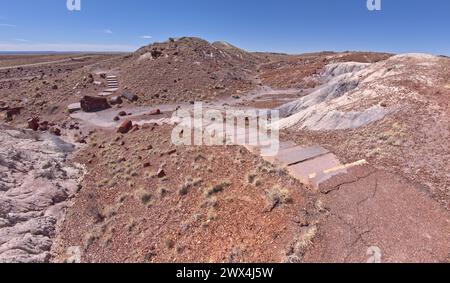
(316, 179)
(111, 90)
(259, 149)
(303, 171)
(295, 155)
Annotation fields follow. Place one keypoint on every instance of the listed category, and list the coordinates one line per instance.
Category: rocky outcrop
(36, 181)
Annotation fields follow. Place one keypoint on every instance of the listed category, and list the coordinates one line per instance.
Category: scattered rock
(33, 123)
(161, 173)
(11, 112)
(155, 112)
(43, 126)
(125, 127)
(116, 100)
(122, 113)
(129, 96)
(74, 107)
(55, 130)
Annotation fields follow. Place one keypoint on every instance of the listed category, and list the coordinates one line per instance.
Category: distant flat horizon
(58, 52)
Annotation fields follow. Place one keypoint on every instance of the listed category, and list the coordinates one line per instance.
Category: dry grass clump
(190, 183)
(301, 244)
(278, 196)
(143, 196)
(251, 178)
(217, 188)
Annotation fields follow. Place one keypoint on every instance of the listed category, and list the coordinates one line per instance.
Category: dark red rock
(33, 123)
(116, 100)
(11, 112)
(94, 104)
(56, 131)
(125, 127)
(155, 112)
(161, 173)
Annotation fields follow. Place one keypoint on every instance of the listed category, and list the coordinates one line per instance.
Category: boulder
(74, 107)
(125, 127)
(94, 104)
(129, 96)
(33, 123)
(155, 112)
(116, 100)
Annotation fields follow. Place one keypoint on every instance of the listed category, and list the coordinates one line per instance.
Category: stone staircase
(112, 84)
(311, 165)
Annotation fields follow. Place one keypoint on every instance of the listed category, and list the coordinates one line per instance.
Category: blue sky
(292, 26)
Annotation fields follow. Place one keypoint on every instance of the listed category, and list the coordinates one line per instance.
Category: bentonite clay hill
(362, 174)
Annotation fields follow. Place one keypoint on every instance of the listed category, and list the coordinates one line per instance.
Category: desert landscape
(89, 172)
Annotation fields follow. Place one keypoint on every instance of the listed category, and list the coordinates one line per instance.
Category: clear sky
(292, 26)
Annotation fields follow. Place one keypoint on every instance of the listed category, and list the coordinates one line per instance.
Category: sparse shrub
(170, 244)
(210, 202)
(305, 240)
(217, 189)
(212, 215)
(131, 224)
(110, 211)
(89, 239)
(277, 196)
(184, 190)
(162, 192)
(97, 214)
(251, 177)
(143, 196)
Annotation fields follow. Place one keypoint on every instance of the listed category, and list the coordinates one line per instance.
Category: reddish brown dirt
(186, 69)
(112, 224)
(376, 215)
